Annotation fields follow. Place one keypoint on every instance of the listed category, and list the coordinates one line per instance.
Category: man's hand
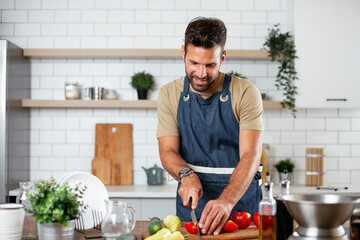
(214, 216)
(190, 187)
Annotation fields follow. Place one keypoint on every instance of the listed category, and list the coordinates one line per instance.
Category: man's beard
(201, 88)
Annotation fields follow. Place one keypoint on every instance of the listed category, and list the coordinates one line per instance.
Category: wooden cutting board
(117, 141)
(251, 232)
(101, 166)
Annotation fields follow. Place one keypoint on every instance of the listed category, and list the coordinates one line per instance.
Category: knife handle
(190, 202)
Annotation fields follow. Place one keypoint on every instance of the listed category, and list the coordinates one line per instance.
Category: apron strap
(226, 85)
(212, 170)
(224, 96)
(186, 95)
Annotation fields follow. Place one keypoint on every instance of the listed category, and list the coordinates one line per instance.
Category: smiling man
(210, 132)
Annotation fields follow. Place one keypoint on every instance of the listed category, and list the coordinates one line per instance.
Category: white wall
(63, 139)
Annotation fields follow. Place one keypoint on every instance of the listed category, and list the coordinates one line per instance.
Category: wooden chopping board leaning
(113, 162)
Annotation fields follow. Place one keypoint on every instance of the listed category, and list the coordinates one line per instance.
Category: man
(210, 132)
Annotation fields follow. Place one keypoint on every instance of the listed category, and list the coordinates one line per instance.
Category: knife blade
(193, 217)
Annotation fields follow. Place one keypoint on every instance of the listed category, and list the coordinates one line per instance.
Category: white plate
(94, 196)
(60, 180)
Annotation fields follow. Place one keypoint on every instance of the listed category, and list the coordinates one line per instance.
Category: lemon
(161, 234)
(172, 222)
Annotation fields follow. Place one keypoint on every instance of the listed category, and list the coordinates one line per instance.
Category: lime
(172, 222)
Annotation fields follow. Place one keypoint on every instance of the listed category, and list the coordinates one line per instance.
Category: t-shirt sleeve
(251, 109)
(167, 119)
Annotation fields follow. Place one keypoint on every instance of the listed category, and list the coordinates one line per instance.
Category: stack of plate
(94, 196)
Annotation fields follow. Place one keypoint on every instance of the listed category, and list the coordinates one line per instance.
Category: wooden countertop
(140, 231)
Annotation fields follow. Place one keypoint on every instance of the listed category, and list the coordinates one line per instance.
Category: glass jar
(29, 226)
(110, 94)
(72, 91)
(119, 219)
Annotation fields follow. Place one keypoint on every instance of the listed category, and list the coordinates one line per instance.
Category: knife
(193, 217)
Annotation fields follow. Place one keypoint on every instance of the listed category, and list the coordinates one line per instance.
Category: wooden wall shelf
(139, 104)
(134, 53)
(33, 103)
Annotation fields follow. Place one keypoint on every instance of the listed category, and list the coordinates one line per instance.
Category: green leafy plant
(285, 164)
(142, 80)
(282, 49)
(236, 74)
(52, 202)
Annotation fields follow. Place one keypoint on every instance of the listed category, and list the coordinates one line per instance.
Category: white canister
(11, 220)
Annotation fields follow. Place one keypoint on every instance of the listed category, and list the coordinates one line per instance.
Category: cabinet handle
(336, 99)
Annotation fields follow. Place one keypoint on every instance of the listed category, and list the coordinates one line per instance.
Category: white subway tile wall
(63, 139)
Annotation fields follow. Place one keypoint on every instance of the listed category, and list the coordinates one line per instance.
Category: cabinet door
(327, 38)
(157, 208)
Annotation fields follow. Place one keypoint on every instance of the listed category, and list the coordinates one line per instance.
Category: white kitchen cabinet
(327, 38)
(146, 208)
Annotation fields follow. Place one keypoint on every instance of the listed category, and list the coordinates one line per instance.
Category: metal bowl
(321, 214)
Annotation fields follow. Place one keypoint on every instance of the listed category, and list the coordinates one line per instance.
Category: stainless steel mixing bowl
(320, 215)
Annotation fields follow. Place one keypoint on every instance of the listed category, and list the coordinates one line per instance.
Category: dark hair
(205, 32)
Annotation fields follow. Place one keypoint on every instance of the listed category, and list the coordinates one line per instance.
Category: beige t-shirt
(245, 100)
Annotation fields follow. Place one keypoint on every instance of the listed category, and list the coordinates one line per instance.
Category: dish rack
(95, 231)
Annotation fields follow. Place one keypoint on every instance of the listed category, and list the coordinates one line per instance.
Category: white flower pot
(55, 231)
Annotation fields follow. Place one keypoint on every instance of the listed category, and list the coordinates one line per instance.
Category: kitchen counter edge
(169, 190)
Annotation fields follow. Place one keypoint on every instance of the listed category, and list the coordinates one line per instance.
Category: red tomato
(190, 227)
(242, 219)
(230, 226)
(256, 219)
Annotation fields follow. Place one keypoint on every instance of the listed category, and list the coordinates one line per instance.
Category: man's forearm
(173, 163)
(169, 155)
(241, 178)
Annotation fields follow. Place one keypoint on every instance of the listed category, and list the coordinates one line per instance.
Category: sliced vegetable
(127, 236)
(154, 226)
(242, 219)
(230, 226)
(175, 236)
(190, 227)
(160, 235)
(256, 219)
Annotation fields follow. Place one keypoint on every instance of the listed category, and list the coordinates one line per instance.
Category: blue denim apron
(209, 139)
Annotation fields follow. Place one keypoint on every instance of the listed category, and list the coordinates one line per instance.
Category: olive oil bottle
(267, 212)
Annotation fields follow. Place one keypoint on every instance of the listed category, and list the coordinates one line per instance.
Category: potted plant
(55, 208)
(282, 49)
(142, 82)
(285, 164)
